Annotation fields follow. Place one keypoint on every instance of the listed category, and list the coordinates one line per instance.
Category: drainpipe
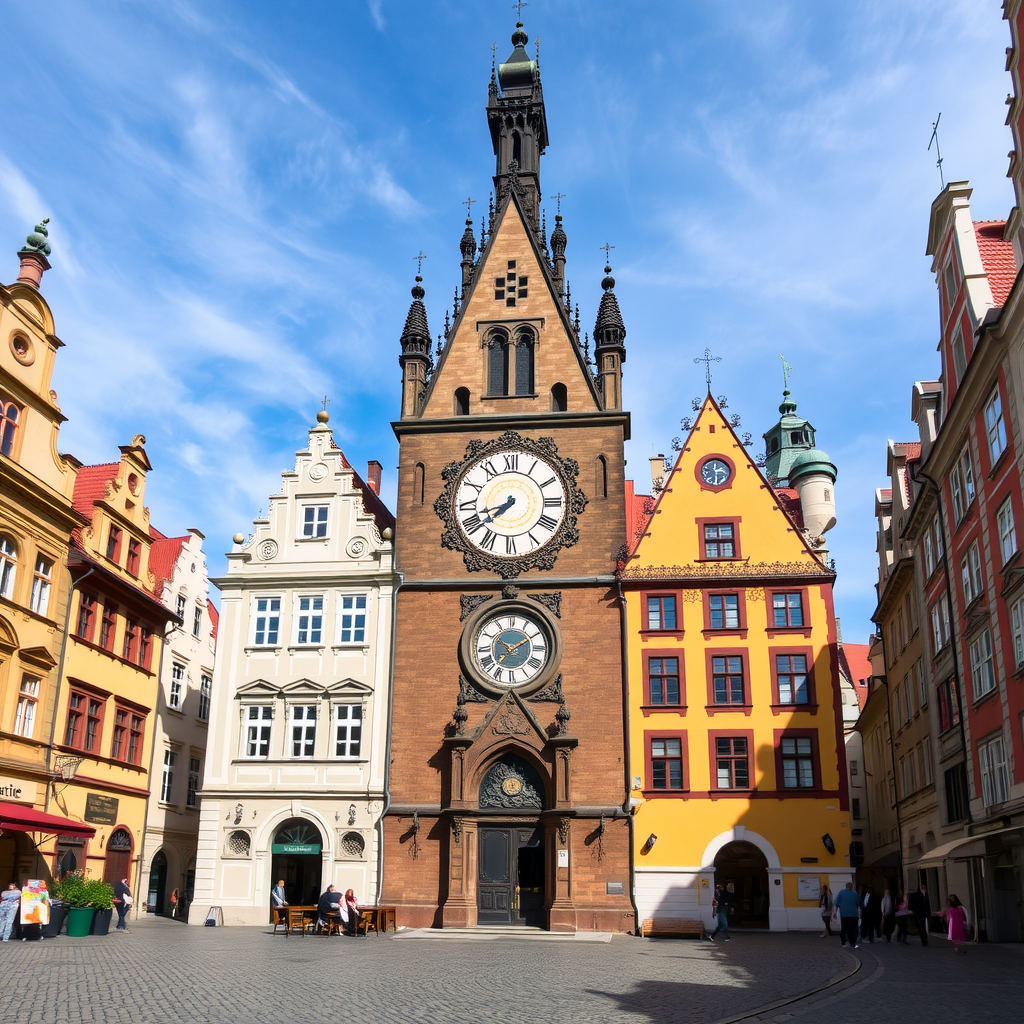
(626, 749)
(387, 750)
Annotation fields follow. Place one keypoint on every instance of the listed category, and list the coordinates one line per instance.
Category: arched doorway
(296, 857)
(118, 863)
(510, 877)
(157, 883)
(743, 869)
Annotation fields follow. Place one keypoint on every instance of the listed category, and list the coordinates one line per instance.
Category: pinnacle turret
(609, 330)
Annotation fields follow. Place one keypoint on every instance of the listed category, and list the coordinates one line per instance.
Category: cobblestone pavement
(163, 972)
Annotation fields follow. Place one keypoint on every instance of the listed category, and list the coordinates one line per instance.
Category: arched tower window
(524, 362)
(9, 414)
(559, 398)
(517, 148)
(8, 566)
(601, 476)
(418, 480)
(462, 401)
(497, 364)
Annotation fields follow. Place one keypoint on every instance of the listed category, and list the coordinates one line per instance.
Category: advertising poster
(35, 903)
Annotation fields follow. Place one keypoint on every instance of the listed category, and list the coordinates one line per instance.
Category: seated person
(330, 902)
(351, 905)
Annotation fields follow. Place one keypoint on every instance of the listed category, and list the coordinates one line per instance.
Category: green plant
(72, 889)
(100, 894)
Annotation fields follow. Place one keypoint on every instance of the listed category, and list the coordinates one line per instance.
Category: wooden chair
(332, 925)
(297, 920)
(280, 918)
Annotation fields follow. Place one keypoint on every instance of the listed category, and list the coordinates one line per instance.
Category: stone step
(484, 933)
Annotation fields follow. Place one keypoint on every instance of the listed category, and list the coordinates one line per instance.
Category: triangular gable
(303, 686)
(461, 355)
(258, 688)
(768, 536)
(348, 688)
(40, 657)
(507, 718)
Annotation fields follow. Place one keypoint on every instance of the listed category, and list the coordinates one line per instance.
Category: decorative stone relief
(267, 550)
(318, 471)
(551, 601)
(470, 603)
(356, 547)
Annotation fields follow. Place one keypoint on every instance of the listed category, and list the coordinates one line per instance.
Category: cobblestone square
(162, 972)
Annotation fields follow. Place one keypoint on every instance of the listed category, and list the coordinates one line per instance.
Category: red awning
(19, 818)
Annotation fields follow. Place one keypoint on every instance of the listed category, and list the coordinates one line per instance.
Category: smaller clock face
(715, 472)
(511, 649)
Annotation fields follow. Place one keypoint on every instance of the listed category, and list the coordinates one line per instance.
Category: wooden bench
(676, 927)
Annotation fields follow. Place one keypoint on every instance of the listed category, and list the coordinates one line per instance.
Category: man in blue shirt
(848, 905)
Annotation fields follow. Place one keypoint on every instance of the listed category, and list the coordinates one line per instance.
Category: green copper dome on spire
(37, 241)
(787, 440)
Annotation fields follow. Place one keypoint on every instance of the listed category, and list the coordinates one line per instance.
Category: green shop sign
(295, 848)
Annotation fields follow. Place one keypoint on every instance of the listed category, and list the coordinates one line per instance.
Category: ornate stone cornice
(727, 571)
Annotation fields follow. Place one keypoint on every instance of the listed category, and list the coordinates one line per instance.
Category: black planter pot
(58, 913)
(101, 922)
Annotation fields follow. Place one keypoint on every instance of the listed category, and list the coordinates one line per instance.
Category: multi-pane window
(268, 621)
(982, 671)
(348, 730)
(995, 429)
(41, 582)
(950, 279)
(108, 625)
(258, 721)
(303, 718)
(1017, 626)
(922, 688)
(961, 482)
(732, 765)
(995, 783)
(667, 763)
(959, 355)
(197, 620)
(797, 756)
(719, 540)
(76, 720)
(949, 709)
(130, 647)
(787, 610)
(940, 624)
(205, 690)
(309, 628)
(177, 685)
(93, 723)
(929, 553)
(724, 611)
(135, 739)
(314, 520)
(970, 573)
(119, 742)
(180, 606)
(661, 611)
(727, 679)
(145, 647)
(955, 780)
(8, 567)
(855, 810)
(167, 785)
(791, 671)
(663, 677)
(114, 544)
(1007, 534)
(28, 699)
(134, 559)
(9, 414)
(191, 799)
(353, 619)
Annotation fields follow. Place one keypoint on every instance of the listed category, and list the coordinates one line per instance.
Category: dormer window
(798, 437)
(314, 521)
(134, 557)
(114, 544)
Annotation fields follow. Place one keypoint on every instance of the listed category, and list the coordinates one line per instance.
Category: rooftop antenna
(419, 258)
(707, 359)
(787, 369)
(935, 139)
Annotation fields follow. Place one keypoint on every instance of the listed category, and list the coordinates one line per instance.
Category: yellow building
(109, 687)
(735, 721)
(36, 520)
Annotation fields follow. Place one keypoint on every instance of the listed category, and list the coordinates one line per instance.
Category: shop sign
(18, 789)
(295, 848)
(808, 887)
(101, 810)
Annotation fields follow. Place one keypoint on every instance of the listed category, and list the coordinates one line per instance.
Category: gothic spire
(416, 333)
(610, 343)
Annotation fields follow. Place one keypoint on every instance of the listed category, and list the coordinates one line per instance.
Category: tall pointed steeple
(610, 343)
(518, 123)
(415, 357)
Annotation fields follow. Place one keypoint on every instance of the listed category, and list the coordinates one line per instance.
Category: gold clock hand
(513, 647)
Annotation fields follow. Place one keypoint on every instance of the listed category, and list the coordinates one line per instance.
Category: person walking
(871, 915)
(901, 915)
(888, 915)
(10, 901)
(825, 903)
(720, 906)
(956, 920)
(921, 909)
(848, 903)
(122, 903)
(277, 894)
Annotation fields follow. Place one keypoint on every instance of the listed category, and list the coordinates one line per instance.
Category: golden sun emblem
(512, 786)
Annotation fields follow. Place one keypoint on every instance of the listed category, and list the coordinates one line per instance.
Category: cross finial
(707, 359)
(519, 5)
(558, 197)
(935, 139)
(326, 402)
(787, 369)
(468, 204)
(419, 258)
(607, 250)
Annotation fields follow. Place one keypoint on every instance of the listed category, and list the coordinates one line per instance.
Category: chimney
(33, 256)
(657, 472)
(373, 471)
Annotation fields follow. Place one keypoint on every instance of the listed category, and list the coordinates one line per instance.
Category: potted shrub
(101, 897)
(75, 893)
(58, 910)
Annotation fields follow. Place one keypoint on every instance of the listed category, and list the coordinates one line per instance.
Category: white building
(295, 772)
(182, 715)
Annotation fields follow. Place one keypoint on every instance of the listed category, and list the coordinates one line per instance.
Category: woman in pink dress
(956, 918)
(352, 905)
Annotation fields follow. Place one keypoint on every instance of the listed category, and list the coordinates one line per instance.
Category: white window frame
(929, 553)
(961, 483)
(970, 573)
(995, 783)
(1007, 533)
(314, 520)
(343, 729)
(267, 615)
(1017, 626)
(167, 780)
(197, 620)
(309, 620)
(28, 701)
(302, 730)
(959, 350)
(983, 675)
(205, 697)
(352, 612)
(259, 731)
(995, 428)
(177, 686)
(42, 580)
(8, 567)
(940, 624)
(181, 602)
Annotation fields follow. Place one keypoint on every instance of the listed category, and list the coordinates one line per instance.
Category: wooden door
(496, 882)
(119, 858)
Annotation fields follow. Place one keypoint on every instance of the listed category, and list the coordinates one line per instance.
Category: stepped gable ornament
(502, 466)
(470, 603)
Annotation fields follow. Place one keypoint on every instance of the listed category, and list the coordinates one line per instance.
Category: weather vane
(607, 250)
(558, 197)
(419, 258)
(326, 402)
(935, 139)
(787, 369)
(707, 359)
(519, 5)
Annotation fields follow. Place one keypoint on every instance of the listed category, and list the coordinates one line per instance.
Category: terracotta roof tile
(909, 449)
(91, 485)
(163, 554)
(639, 509)
(214, 619)
(789, 500)
(997, 257)
(858, 665)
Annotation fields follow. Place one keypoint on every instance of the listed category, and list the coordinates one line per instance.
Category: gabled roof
(639, 509)
(214, 619)
(789, 501)
(384, 519)
(91, 485)
(855, 663)
(163, 555)
(997, 257)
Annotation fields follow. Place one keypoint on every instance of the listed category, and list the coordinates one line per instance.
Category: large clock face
(510, 503)
(715, 472)
(511, 648)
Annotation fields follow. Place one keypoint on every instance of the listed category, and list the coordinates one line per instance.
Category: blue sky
(237, 190)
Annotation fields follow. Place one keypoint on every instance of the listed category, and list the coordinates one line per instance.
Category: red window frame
(805, 605)
(136, 738)
(797, 734)
(74, 726)
(130, 647)
(95, 709)
(727, 652)
(646, 596)
(649, 704)
(108, 626)
(146, 651)
(734, 522)
(740, 630)
(649, 790)
(86, 616)
(119, 739)
(713, 736)
(134, 559)
(949, 714)
(788, 652)
(115, 536)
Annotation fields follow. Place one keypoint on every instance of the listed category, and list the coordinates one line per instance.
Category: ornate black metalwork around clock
(511, 504)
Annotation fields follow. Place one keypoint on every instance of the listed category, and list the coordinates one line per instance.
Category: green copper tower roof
(787, 441)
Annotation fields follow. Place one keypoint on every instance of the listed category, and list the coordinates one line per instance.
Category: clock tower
(508, 788)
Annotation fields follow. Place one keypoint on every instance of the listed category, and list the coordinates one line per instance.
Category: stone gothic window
(524, 363)
(497, 364)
